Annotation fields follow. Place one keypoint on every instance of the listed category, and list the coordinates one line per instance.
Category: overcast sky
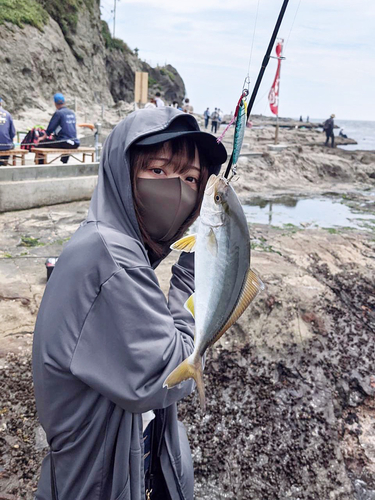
(330, 51)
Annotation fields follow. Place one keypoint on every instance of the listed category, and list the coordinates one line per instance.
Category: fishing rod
(261, 73)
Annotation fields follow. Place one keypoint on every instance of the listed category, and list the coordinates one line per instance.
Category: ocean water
(361, 131)
(308, 212)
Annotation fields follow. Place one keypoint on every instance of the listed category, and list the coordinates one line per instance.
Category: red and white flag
(273, 96)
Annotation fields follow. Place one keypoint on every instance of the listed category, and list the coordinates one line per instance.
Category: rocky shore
(290, 388)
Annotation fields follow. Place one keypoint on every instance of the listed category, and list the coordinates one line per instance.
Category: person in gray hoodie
(106, 337)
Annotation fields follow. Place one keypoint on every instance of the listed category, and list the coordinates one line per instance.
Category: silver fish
(224, 283)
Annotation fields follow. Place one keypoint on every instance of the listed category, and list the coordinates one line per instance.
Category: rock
(367, 159)
(40, 439)
(84, 63)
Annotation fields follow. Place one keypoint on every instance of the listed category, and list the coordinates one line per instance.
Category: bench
(42, 154)
(14, 154)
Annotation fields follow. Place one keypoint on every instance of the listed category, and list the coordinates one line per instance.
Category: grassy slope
(21, 12)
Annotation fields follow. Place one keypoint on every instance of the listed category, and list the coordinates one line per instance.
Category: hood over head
(112, 201)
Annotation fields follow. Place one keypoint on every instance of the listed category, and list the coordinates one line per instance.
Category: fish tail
(189, 368)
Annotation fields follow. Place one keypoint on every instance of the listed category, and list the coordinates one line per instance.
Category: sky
(329, 46)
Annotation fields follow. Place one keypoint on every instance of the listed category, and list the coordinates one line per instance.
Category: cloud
(329, 51)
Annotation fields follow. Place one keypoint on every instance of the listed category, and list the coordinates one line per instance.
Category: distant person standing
(187, 107)
(62, 127)
(159, 101)
(7, 133)
(328, 127)
(214, 120)
(307, 119)
(221, 116)
(301, 119)
(206, 115)
(151, 103)
(176, 105)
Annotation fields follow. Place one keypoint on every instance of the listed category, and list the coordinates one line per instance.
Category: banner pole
(278, 93)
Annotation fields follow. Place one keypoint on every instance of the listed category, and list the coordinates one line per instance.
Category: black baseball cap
(214, 152)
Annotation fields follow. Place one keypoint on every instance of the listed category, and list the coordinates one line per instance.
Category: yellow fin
(212, 242)
(250, 289)
(185, 244)
(190, 305)
(188, 369)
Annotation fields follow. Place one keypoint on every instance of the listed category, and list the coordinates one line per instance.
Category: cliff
(63, 45)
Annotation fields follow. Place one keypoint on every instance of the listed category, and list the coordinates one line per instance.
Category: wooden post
(141, 87)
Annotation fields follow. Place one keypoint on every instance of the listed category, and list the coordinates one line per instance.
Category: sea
(361, 131)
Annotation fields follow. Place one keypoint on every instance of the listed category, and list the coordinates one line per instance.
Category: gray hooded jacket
(105, 340)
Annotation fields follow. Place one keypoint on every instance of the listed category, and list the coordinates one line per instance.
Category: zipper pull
(148, 494)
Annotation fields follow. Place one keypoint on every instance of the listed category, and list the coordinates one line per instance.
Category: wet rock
(40, 439)
(361, 491)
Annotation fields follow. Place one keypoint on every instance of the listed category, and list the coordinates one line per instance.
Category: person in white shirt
(151, 103)
(158, 101)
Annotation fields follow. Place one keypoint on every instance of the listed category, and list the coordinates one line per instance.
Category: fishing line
(295, 15)
(252, 43)
(260, 99)
(250, 104)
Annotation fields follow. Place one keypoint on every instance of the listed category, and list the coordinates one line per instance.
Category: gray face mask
(166, 204)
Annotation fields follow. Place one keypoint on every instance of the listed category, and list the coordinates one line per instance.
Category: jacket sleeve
(181, 287)
(12, 130)
(131, 340)
(53, 124)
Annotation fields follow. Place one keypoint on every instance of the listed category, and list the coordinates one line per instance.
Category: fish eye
(217, 198)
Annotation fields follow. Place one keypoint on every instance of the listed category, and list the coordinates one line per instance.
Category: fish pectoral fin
(212, 242)
(252, 286)
(190, 304)
(185, 244)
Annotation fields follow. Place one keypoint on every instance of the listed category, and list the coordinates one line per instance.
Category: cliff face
(76, 56)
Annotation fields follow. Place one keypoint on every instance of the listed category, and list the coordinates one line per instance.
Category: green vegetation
(262, 246)
(62, 241)
(291, 228)
(35, 13)
(21, 12)
(171, 76)
(151, 81)
(113, 43)
(8, 255)
(166, 72)
(28, 241)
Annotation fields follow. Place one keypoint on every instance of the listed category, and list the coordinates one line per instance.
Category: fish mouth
(210, 186)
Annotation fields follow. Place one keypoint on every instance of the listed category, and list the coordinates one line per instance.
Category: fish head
(215, 207)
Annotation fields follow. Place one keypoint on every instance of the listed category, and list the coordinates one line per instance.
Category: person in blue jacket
(7, 132)
(63, 128)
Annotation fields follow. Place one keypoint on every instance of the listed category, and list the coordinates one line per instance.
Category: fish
(240, 117)
(239, 130)
(224, 283)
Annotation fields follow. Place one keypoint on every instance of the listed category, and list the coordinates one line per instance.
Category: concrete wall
(34, 186)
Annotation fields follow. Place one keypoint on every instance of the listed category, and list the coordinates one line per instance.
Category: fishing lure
(240, 117)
